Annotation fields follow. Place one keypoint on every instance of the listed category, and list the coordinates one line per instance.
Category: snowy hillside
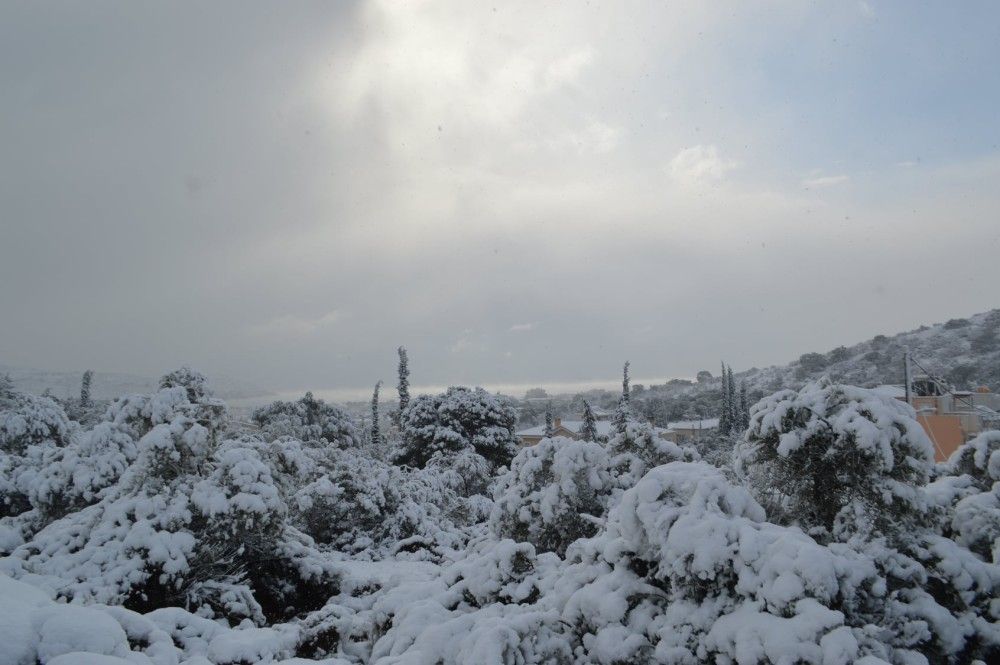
(965, 352)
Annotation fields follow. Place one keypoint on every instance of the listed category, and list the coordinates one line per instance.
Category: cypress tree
(88, 376)
(625, 384)
(589, 429)
(376, 439)
(725, 414)
(403, 387)
(549, 429)
(311, 408)
(621, 418)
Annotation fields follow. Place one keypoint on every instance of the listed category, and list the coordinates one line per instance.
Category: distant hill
(109, 385)
(964, 352)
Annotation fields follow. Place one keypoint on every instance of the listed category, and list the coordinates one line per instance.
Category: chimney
(557, 422)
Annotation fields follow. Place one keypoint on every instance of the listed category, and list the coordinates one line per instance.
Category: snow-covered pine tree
(403, 387)
(88, 376)
(725, 413)
(621, 418)
(589, 429)
(376, 435)
(549, 429)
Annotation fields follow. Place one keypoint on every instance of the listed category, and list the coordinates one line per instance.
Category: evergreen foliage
(458, 419)
(376, 434)
(403, 386)
(88, 376)
(725, 414)
(623, 412)
(588, 431)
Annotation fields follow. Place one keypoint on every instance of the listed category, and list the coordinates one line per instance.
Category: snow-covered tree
(968, 493)
(403, 386)
(638, 449)
(195, 383)
(376, 433)
(31, 429)
(838, 460)
(588, 431)
(549, 425)
(308, 419)
(457, 419)
(554, 493)
(623, 412)
(85, 382)
(726, 410)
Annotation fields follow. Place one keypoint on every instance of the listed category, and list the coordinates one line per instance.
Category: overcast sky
(520, 193)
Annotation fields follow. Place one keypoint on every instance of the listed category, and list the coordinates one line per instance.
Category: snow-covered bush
(838, 460)
(639, 449)
(189, 523)
(78, 474)
(30, 428)
(466, 472)
(182, 393)
(308, 419)
(194, 383)
(554, 493)
(978, 459)
(694, 574)
(968, 493)
(27, 420)
(456, 420)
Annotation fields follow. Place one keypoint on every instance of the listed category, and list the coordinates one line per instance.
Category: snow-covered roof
(704, 423)
(889, 390)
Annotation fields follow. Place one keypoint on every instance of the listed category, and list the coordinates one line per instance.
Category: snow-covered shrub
(78, 474)
(639, 449)
(352, 504)
(189, 524)
(466, 472)
(138, 414)
(27, 420)
(30, 428)
(968, 493)
(458, 419)
(194, 383)
(359, 503)
(696, 575)
(308, 419)
(979, 459)
(838, 460)
(554, 493)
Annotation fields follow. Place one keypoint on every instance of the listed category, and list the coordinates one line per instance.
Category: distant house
(679, 432)
(686, 431)
(567, 428)
(950, 418)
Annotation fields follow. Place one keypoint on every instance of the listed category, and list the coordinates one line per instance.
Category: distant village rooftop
(681, 430)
